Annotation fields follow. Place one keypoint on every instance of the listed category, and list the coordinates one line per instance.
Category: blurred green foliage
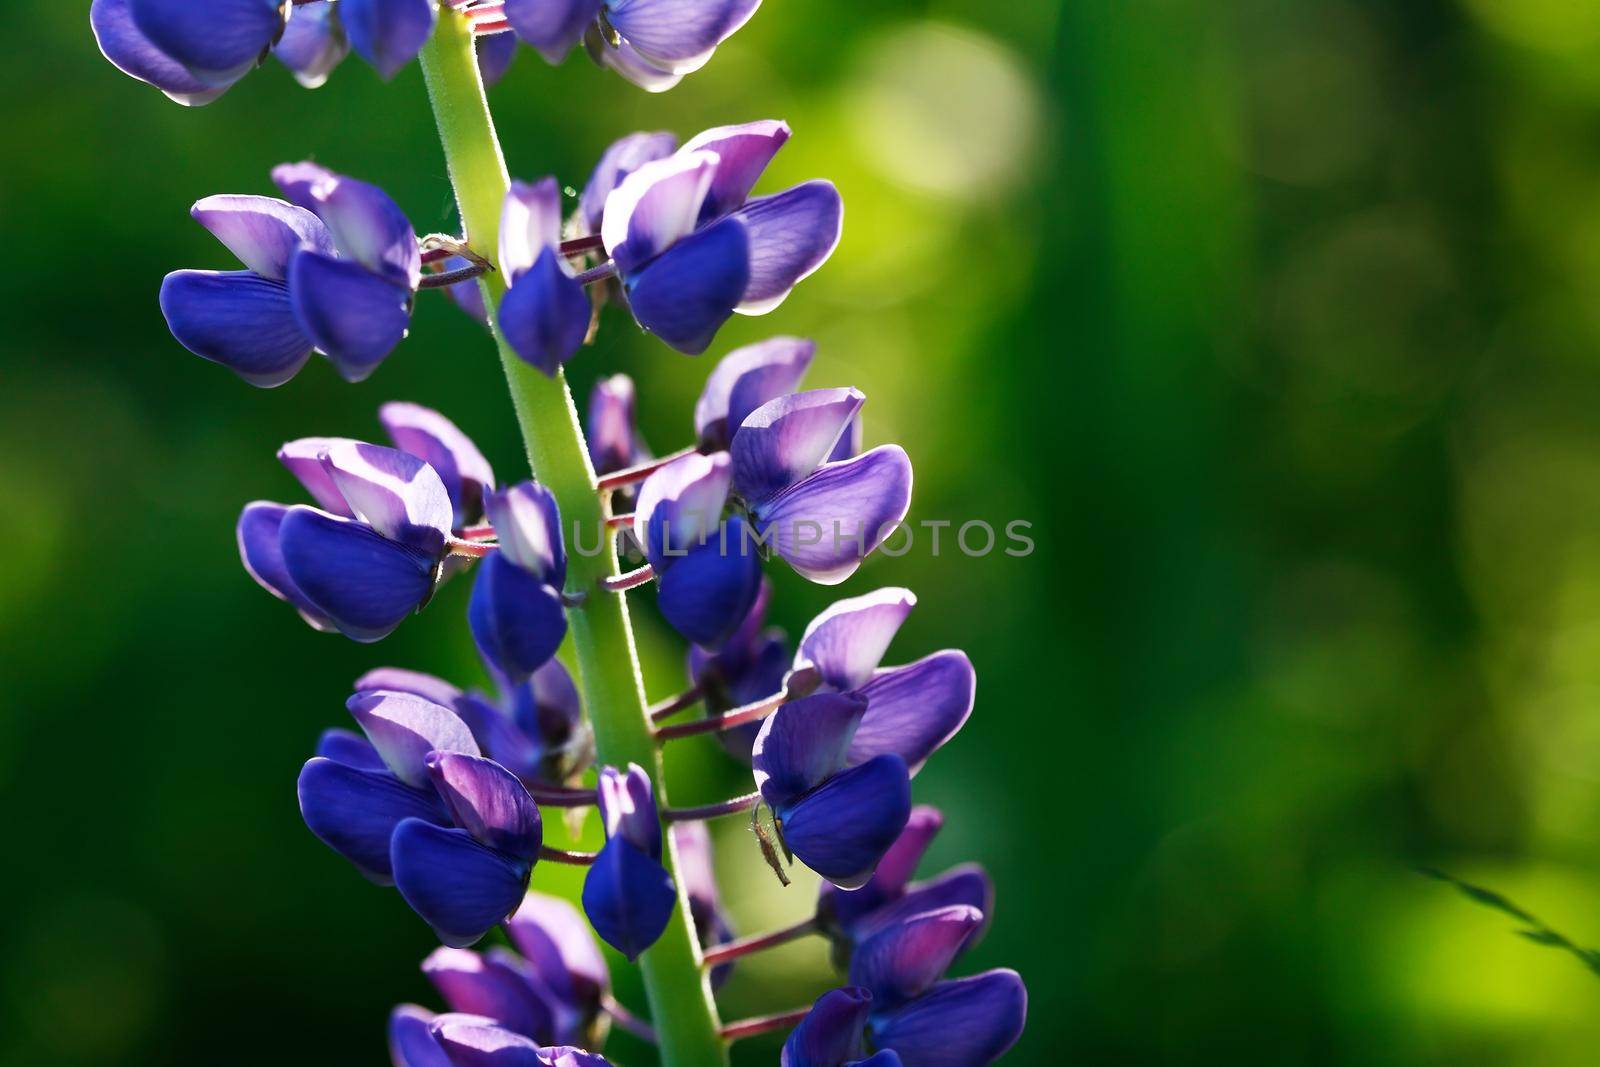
(1278, 321)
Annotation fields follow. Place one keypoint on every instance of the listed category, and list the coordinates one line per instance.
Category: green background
(1277, 320)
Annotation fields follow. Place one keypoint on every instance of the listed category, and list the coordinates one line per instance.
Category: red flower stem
(744, 946)
(712, 811)
(715, 723)
(477, 533)
(567, 856)
(562, 798)
(474, 549)
(581, 246)
(629, 475)
(763, 1024)
(666, 709)
(627, 1020)
(621, 583)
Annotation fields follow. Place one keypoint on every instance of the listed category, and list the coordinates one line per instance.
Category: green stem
(681, 1007)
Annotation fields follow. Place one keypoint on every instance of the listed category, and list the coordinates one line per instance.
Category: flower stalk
(679, 994)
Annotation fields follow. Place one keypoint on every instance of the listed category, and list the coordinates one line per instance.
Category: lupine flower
(370, 555)
(313, 43)
(550, 990)
(911, 710)
(912, 1018)
(692, 840)
(708, 568)
(333, 271)
(836, 816)
(545, 314)
(193, 54)
(415, 805)
(823, 517)
(890, 897)
(692, 248)
(627, 894)
(534, 729)
(614, 441)
(517, 615)
(624, 156)
(473, 1041)
(652, 43)
(496, 51)
(388, 33)
(750, 665)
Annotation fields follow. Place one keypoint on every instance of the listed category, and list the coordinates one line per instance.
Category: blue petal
(387, 33)
(887, 1058)
(678, 31)
(355, 811)
(530, 222)
(405, 729)
(467, 295)
(367, 225)
(460, 887)
(411, 1042)
(831, 520)
(399, 680)
(706, 594)
(488, 802)
(494, 986)
(904, 960)
(313, 43)
(786, 439)
(804, 742)
(394, 492)
(894, 871)
(517, 620)
(685, 295)
(353, 315)
(843, 827)
(349, 748)
(970, 1022)
(495, 53)
(131, 52)
(619, 160)
(743, 152)
(364, 584)
(655, 207)
(626, 60)
(303, 459)
(263, 231)
(627, 802)
(913, 710)
(238, 319)
(831, 1033)
(558, 945)
(527, 522)
(609, 428)
(847, 640)
(968, 884)
(544, 316)
(440, 444)
(223, 38)
(680, 507)
(473, 1041)
(745, 379)
(551, 26)
(257, 534)
(628, 897)
(790, 235)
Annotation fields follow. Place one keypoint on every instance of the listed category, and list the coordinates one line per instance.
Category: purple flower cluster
(445, 793)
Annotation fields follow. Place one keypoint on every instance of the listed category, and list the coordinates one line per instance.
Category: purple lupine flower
(415, 805)
(836, 816)
(620, 159)
(474, 1041)
(912, 1018)
(131, 51)
(496, 51)
(690, 245)
(388, 33)
(652, 43)
(628, 894)
(911, 710)
(890, 897)
(692, 841)
(751, 664)
(545, 314)
(613, 439)
(334, 270)
(313, 43)
(708, 568)
(370, 556)
(411, 1041)
(517, 614)
(558, 947)
(214, 46)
